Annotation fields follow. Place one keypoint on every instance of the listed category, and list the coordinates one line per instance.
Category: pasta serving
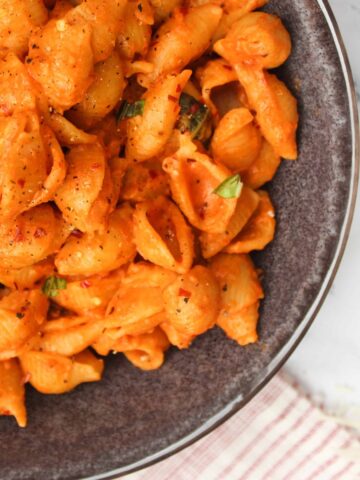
(136, 137)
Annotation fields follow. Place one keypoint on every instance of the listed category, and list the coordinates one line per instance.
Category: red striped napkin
(279, 435)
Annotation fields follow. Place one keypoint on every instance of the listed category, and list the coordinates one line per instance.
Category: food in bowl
(130, 191)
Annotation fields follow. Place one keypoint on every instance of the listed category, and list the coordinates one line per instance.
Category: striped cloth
(279, 435)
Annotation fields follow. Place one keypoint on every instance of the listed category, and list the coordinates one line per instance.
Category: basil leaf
(230, 188)
(52, 286)
(129, 110)
(194, 117)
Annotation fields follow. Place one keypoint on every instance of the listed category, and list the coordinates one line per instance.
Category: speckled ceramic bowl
(132, 418)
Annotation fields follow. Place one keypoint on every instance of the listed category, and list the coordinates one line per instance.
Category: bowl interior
(131, 414)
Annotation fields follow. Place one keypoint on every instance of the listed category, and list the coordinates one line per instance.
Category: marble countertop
(327, 363)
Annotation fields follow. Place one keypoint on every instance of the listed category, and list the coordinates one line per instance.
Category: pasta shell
(35, 168)
(103, 17)
(193, 179)
(181, 39)
(103, 94)
(51, 373)
(100, 252)
(214, 73)
(18, 92)
(130, 305)
(53, 61)
(213, 243)
(18, 19)
(134, 35)
(12, 391)
(92, 293)
(263, 169)
(178, 339)
(236, 142)
(144, 351)
(240, 294)
(192, 301)
(107, 342)
(264, 43)
(275, 107)
(259, 231)
(83, 184)
(162, 235)
(72, 340)
(241, 325)
(66, 133)
(147, 134)
(32, 237)
(21, 316)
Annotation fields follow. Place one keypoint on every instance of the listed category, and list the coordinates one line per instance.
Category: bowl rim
(283, 355)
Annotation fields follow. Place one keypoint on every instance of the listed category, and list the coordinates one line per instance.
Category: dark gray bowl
(132, 418)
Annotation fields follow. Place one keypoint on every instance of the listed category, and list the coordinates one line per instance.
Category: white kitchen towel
(279, 435)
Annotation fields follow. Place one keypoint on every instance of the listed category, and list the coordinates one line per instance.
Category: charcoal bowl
(132, 419)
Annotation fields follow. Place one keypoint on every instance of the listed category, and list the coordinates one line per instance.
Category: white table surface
(327, 363)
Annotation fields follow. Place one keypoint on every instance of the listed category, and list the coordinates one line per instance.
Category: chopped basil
(194, 117)
(230, 188)
(129, 110)
(52, 286)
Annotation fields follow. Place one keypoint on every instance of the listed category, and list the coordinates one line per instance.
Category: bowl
(133, 418)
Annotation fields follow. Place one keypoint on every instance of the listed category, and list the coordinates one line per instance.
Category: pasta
(162, 235)
(135, 138)
(236, 142)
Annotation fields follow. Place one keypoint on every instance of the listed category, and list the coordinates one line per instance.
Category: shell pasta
(136, 140)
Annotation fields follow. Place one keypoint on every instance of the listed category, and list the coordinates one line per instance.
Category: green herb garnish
(194, 117)
(52, 286)
(129, 110)
(230, 188)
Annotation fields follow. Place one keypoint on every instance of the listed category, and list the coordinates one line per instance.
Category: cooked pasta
(135, 138)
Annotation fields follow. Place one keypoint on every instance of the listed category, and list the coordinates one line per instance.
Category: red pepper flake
(178, 88)
(227, 67)
(95, 166)
(184, 293)
(77, 233)
(202, 212)
(85, 284)
(39, 233)
(194, 108)
(26, 378)
(172, 98)
(21, 183)
(153, 174)
(184, 10)
(18, 237)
